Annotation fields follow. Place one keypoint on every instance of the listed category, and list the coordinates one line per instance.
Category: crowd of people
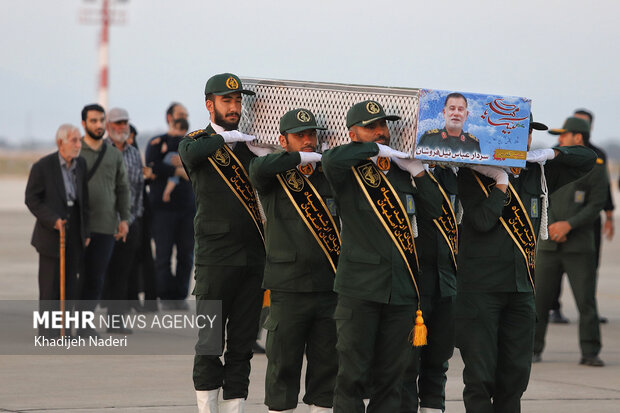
(377, 265)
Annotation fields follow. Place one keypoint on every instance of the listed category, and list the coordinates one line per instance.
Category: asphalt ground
(135, 383)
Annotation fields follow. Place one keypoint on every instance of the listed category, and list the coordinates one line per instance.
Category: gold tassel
(419, 330)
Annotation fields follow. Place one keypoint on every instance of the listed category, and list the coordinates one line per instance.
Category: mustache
(233, 113)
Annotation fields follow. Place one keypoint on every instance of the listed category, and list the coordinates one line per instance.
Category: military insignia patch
(231, 83)
(444, 135)
(306, 169)
(303, 116)
(330, 203)
(293, 181)
(373, 107)
(515, 171)
(599, 161)
(371, 176)
(409, 204)
(580, 197)
(462, 138)
(534, 211)
(195, 133)
(383, 163)
(222, 157)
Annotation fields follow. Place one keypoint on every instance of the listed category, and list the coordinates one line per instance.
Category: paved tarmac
(89, 384)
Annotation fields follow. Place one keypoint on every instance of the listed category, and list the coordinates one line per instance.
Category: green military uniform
(494, 312)
(440, 139)
(230, 258)
(579, 203)
(376, 295)
(301, 280)
(425, 378)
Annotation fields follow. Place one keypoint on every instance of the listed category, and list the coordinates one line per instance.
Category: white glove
(236, 136)
(494, 172)
(413, 166)
(259, 150)
(387, 152)
(309, 157)
(540, 155)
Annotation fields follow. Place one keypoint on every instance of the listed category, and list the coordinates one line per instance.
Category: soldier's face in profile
(376, 131)
(570, 139)
(455, 113)
(304, 141)
(226, 110)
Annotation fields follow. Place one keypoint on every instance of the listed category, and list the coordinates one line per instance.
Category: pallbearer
(377, 278)
(229, 247)
(303, 245)
(495, 312)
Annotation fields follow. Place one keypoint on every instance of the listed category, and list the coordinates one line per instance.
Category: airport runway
(89, 384)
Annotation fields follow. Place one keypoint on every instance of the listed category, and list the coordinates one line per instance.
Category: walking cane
(62, 278)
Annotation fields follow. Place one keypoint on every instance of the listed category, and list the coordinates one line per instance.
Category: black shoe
(536, 358)
(603, 320)
(556, 317)
(257, 348)
(594, 361)
(119, 330)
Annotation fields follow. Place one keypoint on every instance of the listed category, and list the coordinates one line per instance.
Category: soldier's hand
(309, 157)
(236, 136)
(494, 172)
(540, 155)
(558, 230)
(388, 152)
(175, 160)
(413, 166)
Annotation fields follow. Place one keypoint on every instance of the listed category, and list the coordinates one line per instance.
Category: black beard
(219, 120)
(93, 135)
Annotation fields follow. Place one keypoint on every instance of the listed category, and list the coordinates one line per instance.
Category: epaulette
(472, 137)
(431, 132)
(600, 161)
(197, 134)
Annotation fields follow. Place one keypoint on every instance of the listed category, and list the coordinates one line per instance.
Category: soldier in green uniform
(570, 248)
(229, 249)
(376, 279)
(495, 312)
(425, 378)
(452, 136)
(302, 243)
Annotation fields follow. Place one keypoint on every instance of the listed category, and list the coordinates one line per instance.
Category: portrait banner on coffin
(470, 128)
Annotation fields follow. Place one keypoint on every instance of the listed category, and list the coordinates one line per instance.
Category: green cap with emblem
(225, 83)
(298, 120)
(366, 112)
(574, 125)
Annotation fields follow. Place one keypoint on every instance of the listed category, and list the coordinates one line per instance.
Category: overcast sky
(562, 54)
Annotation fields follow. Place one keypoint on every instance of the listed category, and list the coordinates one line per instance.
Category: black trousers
(239, 289)
(120, 270)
